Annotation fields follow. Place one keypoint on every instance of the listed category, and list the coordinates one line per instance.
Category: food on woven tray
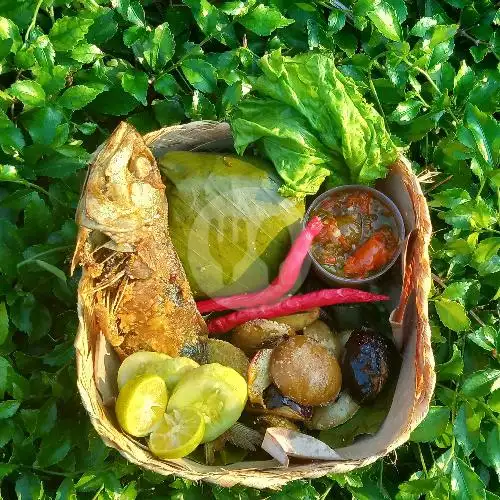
(283, 366)
(141, 403)
(294, 373)
(134, 283)
(230, 226)
(178, 434)
(218, 392)
(305, 371)
(366, 365)
(259, 334)
(295, 383)
(203, 404)
(169, 369)
(360, 234)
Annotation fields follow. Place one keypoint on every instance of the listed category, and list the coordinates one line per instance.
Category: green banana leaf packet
(229, 224)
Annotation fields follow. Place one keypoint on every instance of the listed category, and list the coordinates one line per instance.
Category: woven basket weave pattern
(418, 365)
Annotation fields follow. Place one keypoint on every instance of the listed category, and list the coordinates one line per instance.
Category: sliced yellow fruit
(178, 434)
(218, 392)
(141, 404)
(170, 369)
(174, 369)
(139, 363)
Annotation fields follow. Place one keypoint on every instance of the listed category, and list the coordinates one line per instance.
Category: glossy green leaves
(430, 69)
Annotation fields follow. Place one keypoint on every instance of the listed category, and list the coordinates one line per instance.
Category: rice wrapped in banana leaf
(229, 224)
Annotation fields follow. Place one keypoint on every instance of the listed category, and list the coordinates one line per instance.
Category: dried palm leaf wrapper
(97, 363)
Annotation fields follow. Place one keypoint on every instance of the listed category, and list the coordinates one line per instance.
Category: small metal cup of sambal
(362, 235)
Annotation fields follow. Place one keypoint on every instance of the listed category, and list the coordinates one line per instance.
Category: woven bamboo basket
(409, 321)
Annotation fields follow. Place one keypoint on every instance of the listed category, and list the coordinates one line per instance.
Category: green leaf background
(70, 71)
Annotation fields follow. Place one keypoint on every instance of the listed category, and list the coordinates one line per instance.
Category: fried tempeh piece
(132, 277)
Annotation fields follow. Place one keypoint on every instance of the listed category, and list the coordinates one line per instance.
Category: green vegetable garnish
(313, 124)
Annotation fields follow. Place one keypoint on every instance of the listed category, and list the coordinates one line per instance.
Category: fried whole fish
(133, 280)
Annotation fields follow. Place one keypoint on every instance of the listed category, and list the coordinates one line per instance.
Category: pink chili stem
(287, 277)
(292, 305)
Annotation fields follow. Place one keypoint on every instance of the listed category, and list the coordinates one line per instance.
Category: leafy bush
(71, 70)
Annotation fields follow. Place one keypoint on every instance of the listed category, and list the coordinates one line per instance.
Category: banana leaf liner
(97, 362)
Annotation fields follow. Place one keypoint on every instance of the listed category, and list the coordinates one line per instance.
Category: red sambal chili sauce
(360, 233)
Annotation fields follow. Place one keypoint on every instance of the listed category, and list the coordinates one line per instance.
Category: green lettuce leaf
(310, 108)
(299, 157)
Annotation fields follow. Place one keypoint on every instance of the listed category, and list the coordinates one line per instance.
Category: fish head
(123, 192)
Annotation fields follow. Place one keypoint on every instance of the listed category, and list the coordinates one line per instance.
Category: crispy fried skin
(133, 279)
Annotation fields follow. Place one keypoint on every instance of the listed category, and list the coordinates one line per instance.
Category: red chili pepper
(371, 255)
(291, 305)
(288, 275)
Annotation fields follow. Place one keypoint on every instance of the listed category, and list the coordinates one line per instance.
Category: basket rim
(274, 477)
